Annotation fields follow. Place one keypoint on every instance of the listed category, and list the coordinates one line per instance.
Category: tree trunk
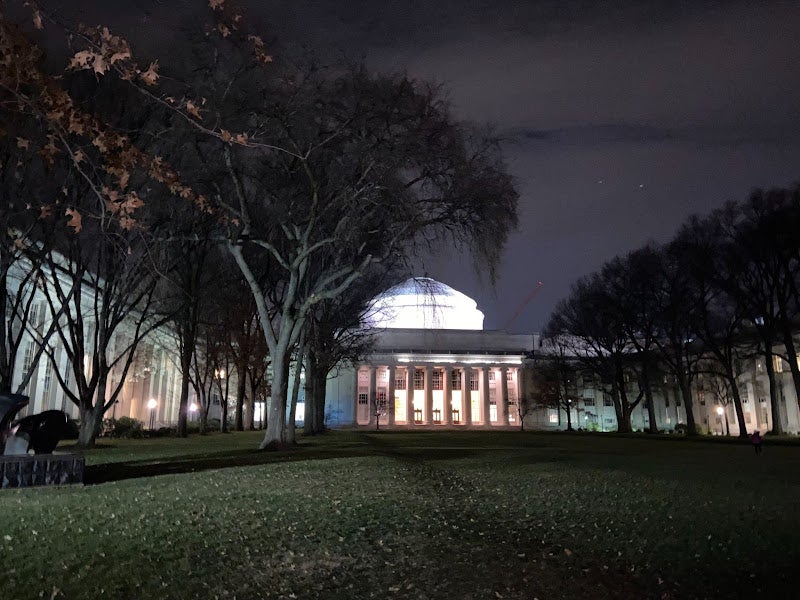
(791, 354)
(774, 403)
(686, 395)
(275, 434)
(737, 402)
(183, 409)
(648, 397)
(291, 433)
(309, 416)
(241, 385)
(91, 424)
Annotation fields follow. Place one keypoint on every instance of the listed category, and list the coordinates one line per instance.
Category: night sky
(622, 118)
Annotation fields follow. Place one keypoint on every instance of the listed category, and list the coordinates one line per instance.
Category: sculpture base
(40, 469)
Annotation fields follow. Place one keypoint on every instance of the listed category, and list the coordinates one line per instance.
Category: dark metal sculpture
(40, 433)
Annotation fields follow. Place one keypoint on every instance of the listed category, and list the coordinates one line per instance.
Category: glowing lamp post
(151, 405)
(720, 412)
(192, 410)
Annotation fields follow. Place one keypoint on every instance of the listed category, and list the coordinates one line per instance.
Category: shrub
(680, 428)
(71, 430)
(124, 427)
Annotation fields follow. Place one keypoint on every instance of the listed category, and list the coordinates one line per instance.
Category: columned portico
(390, 397)
(447, 396)
(432, 396)
(502, 398)
(409, 395)
(466, 395)
(485, 407)
(428, 410)
(373, 374)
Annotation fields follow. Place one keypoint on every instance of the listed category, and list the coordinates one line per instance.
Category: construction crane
(525, 303)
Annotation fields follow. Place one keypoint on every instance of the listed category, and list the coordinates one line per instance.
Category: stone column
(427, 415)
(355, 400)
(447, 397)
(409, 395)
(390, 397)
(466, 396)
(502, 403)
(485, 411)
(373, 394)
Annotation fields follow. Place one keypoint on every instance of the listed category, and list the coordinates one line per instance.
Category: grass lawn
(468, 515)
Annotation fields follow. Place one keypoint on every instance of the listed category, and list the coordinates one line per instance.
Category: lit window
(419, 379)
(455, 380)
(437, 379)
(400, 381)
(473, 380)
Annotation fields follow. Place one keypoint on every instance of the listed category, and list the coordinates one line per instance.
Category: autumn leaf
(74, 219)
(241, 139)
(37, 19)
(45, 211)
(75, 124)
(132, 202)
(151, 75)
(216, 4)
(225, 135)
(99, 64)
(192, 109)
(119, 56)
(223, 29)
(23, 143)
(80, 59)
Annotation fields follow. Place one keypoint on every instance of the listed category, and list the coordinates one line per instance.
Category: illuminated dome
(424, 303)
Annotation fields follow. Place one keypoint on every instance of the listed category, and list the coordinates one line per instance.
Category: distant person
(755, 438)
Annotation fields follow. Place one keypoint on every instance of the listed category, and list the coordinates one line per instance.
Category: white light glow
(152, 403)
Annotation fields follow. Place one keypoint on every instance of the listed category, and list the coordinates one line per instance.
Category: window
(438, 377)
(778, 364)
(473, 380)
(363, 398)
(608, 402)
(677, 401)
(382, 398)
(491, 374)
(455, 380)
(48, 376)
(588, 401)
(509, 375)
(553, 417)
(400, 381)
(701, 396)
(419, 379)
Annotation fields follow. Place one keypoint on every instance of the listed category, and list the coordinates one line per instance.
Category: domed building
(433, 365)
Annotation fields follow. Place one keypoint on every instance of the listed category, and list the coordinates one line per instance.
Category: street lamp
(151, 405)
(720, 412)
(192, 410)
